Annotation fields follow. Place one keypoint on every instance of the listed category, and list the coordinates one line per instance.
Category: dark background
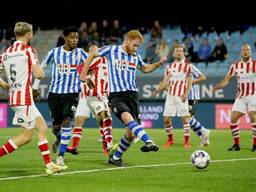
(58, 14)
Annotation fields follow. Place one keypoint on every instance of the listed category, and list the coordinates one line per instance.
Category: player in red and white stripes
(178, 80)
(245, 72)
(94, 96)
(19, 62)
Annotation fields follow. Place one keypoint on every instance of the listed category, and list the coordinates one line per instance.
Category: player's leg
(22, 120)
(183, 112)
(169, 112)
(55, 108)
(82, 113)
(69, 102)
(238, 110)
(196, 126)
(169, 131)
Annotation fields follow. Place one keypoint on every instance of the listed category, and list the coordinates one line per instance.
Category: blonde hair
(22, 28)
(134, 34)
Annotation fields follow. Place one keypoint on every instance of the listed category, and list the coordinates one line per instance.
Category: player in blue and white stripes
(194, 96)
(123, 60)
(64, 88)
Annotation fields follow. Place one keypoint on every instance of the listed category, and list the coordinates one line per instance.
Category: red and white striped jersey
(98, 73)
(17, 61)
(177, 74)
(246, 77)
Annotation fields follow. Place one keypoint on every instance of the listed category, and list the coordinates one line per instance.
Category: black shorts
(192, 107)
(127, 101)
(62, 106)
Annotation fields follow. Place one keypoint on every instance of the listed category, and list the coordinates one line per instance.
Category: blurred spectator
(4, 45)
(150, 55)
(204, 52)
(104, 32)
(162, 49)
(189, 49)
(116, 33)
(94, 34)
(156, 31)
(219, 52)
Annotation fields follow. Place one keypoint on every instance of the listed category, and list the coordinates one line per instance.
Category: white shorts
(82, 108)
(25, 116)
(97, 104)
(175, 106)
(245, 104)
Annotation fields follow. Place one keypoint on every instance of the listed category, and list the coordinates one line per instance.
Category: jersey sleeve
(105, 50)
(32, 54)
(141, 63)
(231, 71)
(84, 56)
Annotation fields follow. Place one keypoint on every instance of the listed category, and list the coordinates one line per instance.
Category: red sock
(44, 148)
(234, 128)
(77, 134)
(8, 147)
(186, 132)
(170, 137)
(107, 127)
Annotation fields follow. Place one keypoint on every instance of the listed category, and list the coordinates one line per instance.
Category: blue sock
(64, 140)
(196, 126)
(138, 131)
(123, 145)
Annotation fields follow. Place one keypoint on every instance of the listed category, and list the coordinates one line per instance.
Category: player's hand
(155, 92)
(36, 95)
(184, 97)
(93, 51)
(162, 60)
(90, 83)
(216, 87)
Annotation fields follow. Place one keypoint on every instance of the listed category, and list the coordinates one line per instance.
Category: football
(200, 159)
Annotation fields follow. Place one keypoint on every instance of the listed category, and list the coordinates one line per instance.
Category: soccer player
(178, 78)
(19, 62)
(65, 87)
(94, 95)
(123, 98)
(245, 72)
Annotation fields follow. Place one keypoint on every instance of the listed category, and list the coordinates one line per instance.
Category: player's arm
(152, 67)
(93, 53)
(3, 84)
(162, 85)
(199, 79)
(184, 97)
(224, 82)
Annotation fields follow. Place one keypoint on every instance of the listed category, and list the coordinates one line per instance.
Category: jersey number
(12, 72)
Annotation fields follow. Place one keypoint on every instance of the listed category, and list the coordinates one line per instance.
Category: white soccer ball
(200, 159)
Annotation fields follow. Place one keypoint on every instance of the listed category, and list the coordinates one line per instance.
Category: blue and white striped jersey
(121, 67)
(194, 93)
(65, 78)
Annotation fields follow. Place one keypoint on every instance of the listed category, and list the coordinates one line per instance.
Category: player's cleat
(205, 138)
(235, 147)
(72, 150)
(149, 146)
(55, 169)
(60, 161)
(112, 150)
(187, 145)
(168, 144)
(253, 148)
(55, 146)
(118, 163)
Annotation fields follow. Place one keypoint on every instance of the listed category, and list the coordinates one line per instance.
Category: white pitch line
(119, 168)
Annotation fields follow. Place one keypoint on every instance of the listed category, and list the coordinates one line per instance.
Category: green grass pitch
(166, 170)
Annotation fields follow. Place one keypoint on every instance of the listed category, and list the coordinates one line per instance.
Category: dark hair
(69, 30)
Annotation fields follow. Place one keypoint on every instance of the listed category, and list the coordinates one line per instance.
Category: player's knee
(167, 121)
